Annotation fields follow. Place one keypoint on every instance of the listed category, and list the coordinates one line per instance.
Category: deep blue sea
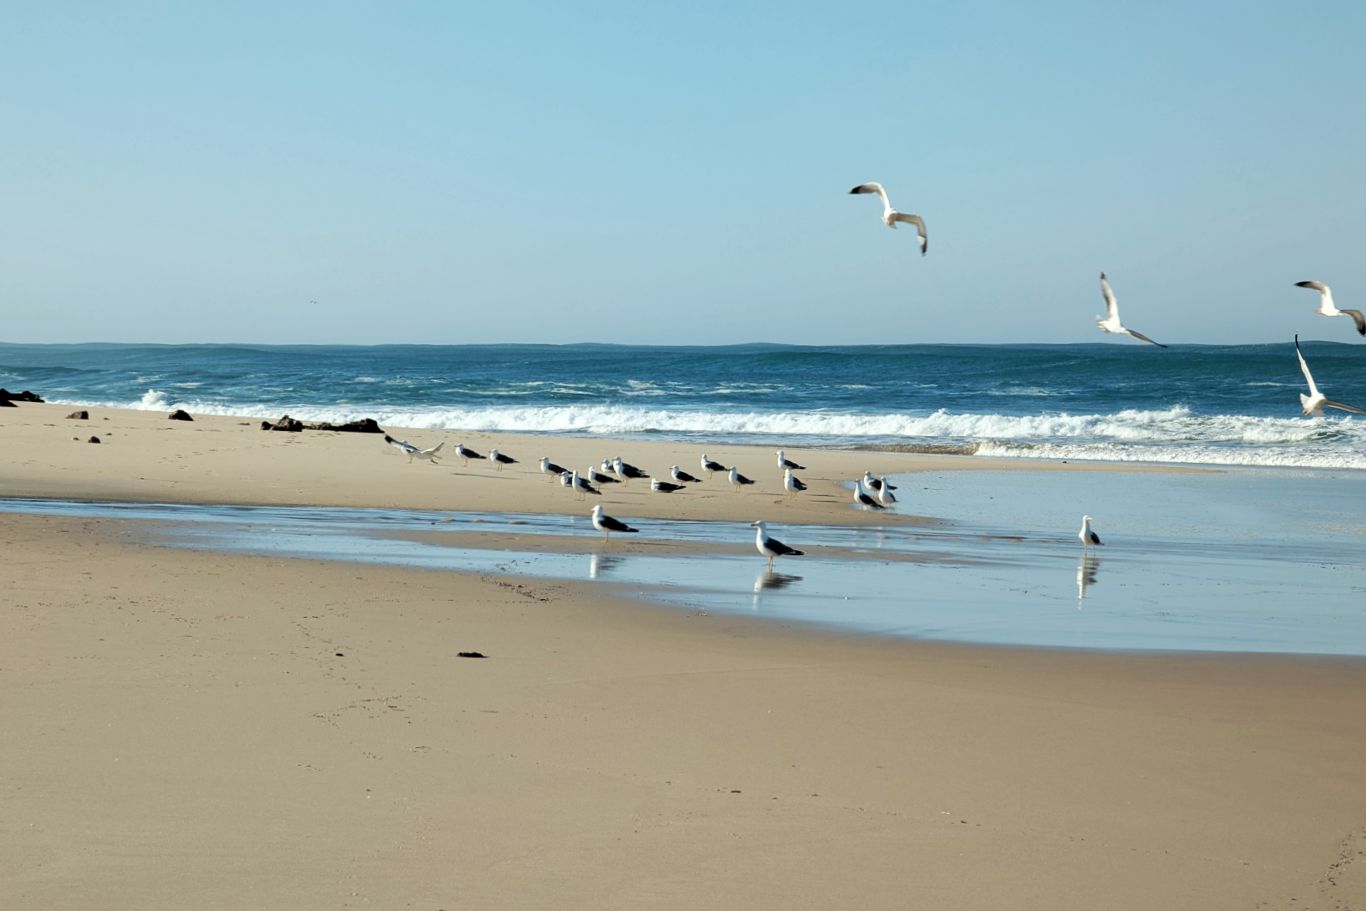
(1231, 405)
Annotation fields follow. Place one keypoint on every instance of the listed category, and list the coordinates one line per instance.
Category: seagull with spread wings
(1316, 401)
(891, 216)
(1110, 321)
(412, 452)
(1328, 308)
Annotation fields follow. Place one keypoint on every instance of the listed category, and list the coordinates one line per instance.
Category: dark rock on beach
(11, 397)
(180, 415)
(93, 440)
(78, 416)
(293, 425)
(286, 424)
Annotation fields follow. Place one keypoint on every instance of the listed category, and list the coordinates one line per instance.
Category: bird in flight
(1316, 401)
(413, 452)
(1328, 308)
(1110, 322)
(891, 216)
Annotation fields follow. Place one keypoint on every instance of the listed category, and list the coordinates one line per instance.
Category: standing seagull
(863, 499)
(683, 477)
(551, 468)
(1315, 401)
(710, 466)
(875, 484)
(791, 483)
(738, 480)
(607, 524)
(412, 451)
(581, 485)
(1328, 308)
(771, 547)
(626, 470)
(499, 460)
(884, 493)
(1087, 536)
(596, 477)
(787, 464)
(466, 453)
(1110, 322)
(891, 216)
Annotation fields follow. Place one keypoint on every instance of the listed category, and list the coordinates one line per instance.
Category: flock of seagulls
(869, 493)
(1111, 322)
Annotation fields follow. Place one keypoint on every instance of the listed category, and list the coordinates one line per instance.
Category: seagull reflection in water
(602, 564)
(1087, 567)
(768, 581)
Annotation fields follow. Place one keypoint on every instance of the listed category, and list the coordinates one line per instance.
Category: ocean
(1200, 404)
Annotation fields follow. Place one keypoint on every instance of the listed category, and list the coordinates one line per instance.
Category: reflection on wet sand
(602, 564)
(1086, 575)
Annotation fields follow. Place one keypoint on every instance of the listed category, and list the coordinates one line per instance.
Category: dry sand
(196, 730)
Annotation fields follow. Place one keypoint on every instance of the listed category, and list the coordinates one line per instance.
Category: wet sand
(220, 731)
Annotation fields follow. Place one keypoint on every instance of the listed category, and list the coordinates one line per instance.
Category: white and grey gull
(1087, 536)
(606, 524)
(1110, 322)
(1328, 308)
(769, 546)
(1316, 401)
(412, 452)
(891, 216)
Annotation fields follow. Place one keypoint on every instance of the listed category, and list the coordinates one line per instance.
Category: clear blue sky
(449, 173)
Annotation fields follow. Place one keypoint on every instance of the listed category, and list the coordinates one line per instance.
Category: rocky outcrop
(294, 425)
(11, 397)
(180, 415)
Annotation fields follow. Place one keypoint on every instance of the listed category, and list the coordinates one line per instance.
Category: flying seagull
(499, 460)
(791, 483)
(785, 463)
(659, 486)
(681, 475)
(1328, 308)
(1110, 322)
(891, 216)
(710, 466)
(1087, 536)
(412, 451)
(771, 547)
(551, 468)
(466, 453)
(606, 524)
(738, 480)
(1315, 401)
(862, 498)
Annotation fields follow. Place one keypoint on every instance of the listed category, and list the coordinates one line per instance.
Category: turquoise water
(1237, 561)
(1109, 401)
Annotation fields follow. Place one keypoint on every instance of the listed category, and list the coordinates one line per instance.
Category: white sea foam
(1165, 435)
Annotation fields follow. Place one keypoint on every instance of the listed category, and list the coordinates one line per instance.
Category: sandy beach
(196, 729)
